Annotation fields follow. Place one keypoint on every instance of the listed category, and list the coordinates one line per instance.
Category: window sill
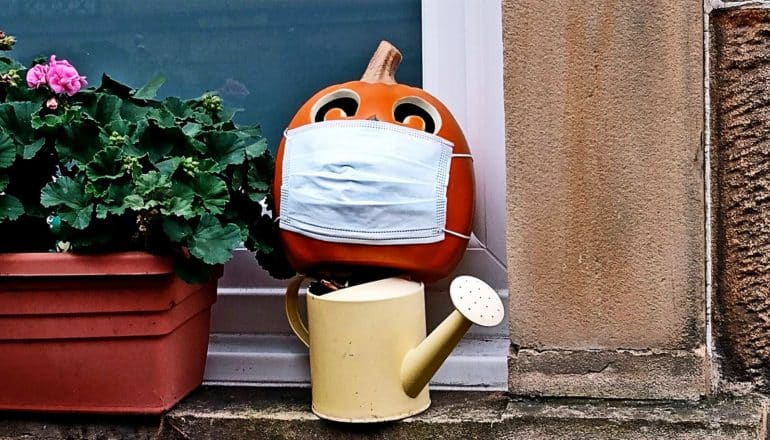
(284, 413)
(477, 363)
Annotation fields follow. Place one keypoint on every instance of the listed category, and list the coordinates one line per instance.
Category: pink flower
(63, 78)
(52, 104)
(36, 76)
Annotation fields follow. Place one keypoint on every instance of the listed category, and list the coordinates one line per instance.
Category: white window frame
(463, 67)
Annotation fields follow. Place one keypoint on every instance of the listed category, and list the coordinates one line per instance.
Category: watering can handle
(291, 306)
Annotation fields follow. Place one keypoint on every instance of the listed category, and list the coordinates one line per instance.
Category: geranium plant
(112, 168)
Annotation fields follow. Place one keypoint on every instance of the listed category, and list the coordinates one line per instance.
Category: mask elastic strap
(275, 220)
(457, 234)
(462, 156)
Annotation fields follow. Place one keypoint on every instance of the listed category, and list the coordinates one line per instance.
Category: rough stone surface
(608, 374)
(216, 413)
(605, 176)
(596, 419)
(24, 426)
(284, 414)
(740, 96)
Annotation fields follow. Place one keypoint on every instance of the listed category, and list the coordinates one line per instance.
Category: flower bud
(52, 104)
(6, 41)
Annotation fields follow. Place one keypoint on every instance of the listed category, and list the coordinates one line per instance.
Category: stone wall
(740, 98)
(604, 108)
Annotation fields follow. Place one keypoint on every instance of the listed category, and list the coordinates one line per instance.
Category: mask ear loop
(457, 234)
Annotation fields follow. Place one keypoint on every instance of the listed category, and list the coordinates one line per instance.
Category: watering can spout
(475, 303)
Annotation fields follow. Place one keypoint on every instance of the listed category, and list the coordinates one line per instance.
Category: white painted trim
(463, 67)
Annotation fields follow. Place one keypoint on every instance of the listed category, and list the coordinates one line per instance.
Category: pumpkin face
(378, 97)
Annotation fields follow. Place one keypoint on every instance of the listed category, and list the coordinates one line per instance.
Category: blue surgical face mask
(366, 182)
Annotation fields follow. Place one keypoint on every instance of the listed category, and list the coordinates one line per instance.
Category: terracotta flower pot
(114, 333)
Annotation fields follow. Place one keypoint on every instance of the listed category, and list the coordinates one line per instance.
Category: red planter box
(116, 333)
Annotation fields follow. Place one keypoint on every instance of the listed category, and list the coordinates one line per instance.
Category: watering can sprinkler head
(475, 302)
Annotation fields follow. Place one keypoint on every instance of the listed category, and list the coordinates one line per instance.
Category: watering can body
(358, 338)
(370, 359)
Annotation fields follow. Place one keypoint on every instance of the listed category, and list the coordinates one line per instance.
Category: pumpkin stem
(383, 65)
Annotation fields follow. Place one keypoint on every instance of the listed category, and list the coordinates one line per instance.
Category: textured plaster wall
(604, 115)
(605, 187)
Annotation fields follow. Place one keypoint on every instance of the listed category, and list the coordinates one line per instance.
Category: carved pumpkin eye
(338, 104)
(417, 113)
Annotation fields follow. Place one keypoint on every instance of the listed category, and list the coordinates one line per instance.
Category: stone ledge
(283, 413)
(612, 374)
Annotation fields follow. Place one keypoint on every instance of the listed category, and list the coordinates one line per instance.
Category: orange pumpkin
(378, 96)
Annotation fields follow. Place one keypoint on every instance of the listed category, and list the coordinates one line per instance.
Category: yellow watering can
(370, 360)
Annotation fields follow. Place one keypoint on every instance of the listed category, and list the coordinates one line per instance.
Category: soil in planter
(33, 235)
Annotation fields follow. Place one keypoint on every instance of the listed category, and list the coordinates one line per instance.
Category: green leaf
(65, 191)
(213, 242)
(191, 129)
(151, 181)
(168, 167)
(256, 149)
(107, 164)
(212, 192)
(198, 145)
(178, 108)
(72, 202)
(4, 182)
(133, 112)
(177, 229)
(162, 117)
(16, 119)
(202, 118)
(102, 211)
(227, 114)
(178, 206)
(104, 107)
(7, 150)
(156, 142)
(10, 207)
(224, 147)
(114, 199)
(31, 150)
(97, 189)
(81, 141)
(49, 120)
(180, 203)
(109, 85)
(79, 219)
(192, 270)
(7, 64)
(118, 126)
(259, 185)
(135, 202)
(149, 90)
(118, 191)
